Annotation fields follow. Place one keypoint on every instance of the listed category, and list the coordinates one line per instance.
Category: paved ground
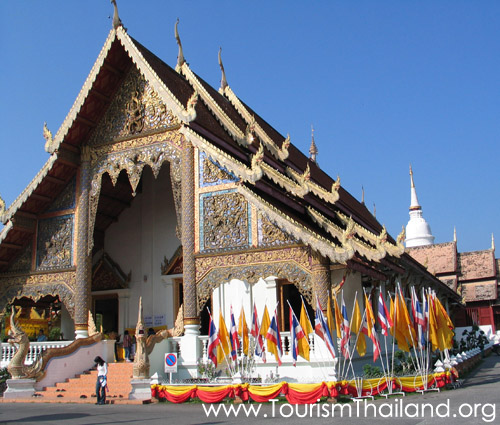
(478, 402)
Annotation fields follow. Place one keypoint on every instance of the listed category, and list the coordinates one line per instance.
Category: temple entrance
(289, 295)
(106, 313)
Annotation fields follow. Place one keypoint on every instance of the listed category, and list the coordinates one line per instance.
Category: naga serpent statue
(37, 370)
(16, 366)
(145, 344)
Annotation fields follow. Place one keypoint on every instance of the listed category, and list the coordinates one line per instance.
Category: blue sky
(384, 83)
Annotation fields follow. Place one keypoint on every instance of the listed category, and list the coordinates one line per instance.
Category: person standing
(127, 345)
(102, 380)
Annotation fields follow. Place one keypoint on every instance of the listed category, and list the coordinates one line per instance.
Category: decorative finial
(411, 177)
(47, 135)
(116, 19)
(223, 81)
(313, 150)
(363, 195)
(2, 208)
(454, 233)
(492, 242)
(374, 210)
(180, 56)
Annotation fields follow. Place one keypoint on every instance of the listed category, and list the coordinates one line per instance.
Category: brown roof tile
(477, 265)
(480, 291)
(439, 258)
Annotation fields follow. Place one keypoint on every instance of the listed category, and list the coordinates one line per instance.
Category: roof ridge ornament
(2, 209)
(117, 22)
(49, 139)
(223, 81)
(180, 56)
(190, 112)
(313, 150)
(492, 241)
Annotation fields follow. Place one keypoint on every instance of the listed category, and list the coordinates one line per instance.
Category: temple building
(473, 275)
(159, 186)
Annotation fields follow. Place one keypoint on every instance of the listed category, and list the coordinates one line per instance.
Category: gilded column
(321, 279)
(83, 258)
(191, 318)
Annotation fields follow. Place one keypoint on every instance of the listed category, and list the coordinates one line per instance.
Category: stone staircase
(81, 389)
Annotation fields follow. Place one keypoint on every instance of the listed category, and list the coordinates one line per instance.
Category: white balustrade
(35, 351)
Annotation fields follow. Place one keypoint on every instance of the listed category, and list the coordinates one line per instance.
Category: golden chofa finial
(313, 150)
(223, 81)
(492, 242)
(2, 208)
(180, 56)
(116, 19)
(363, 195)
(454, 233)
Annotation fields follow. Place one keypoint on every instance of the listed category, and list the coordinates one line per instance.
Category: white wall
(138, 242)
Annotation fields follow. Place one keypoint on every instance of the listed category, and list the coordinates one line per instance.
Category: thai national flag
(213, 342)
(255, 332)
(274, 337)
(294, 328)
(321, 328)
(419, 319)
(235, 342)
(384, 318)
(346, 330)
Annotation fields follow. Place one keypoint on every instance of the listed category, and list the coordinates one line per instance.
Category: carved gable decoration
(66, 199)
(55, 243)
(174, 265)
(225, 222)
(212, 174)
(136, 109)
(107, 275)
(271, 235)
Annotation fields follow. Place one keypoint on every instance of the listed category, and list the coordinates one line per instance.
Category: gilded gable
(135, 110)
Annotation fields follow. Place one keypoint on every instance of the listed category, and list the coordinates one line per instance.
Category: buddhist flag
(356, 324)
(409, 329)
(305, 324)
(396, 330)
(433, 333)
(445, 326)
(274, 339)
(338, 318)
(223, 349)
(243, 331)
(266, 322)
(329, 316)
(213, 342)
(371, 332)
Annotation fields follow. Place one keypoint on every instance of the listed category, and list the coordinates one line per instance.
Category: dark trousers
(100, 391)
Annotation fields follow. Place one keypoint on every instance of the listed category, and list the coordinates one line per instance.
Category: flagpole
(222, 346)
(321, 362)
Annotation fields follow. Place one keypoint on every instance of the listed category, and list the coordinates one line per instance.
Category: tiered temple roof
(274, 175)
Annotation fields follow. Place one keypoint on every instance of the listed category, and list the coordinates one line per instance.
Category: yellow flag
(356, 328)
(397, 316)
(223, 349)
(329, 317)
(407, 327)
(305, 324)
(266, 322)
(243, 331)
(433, 335)
(444, 332)
(338, 318)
